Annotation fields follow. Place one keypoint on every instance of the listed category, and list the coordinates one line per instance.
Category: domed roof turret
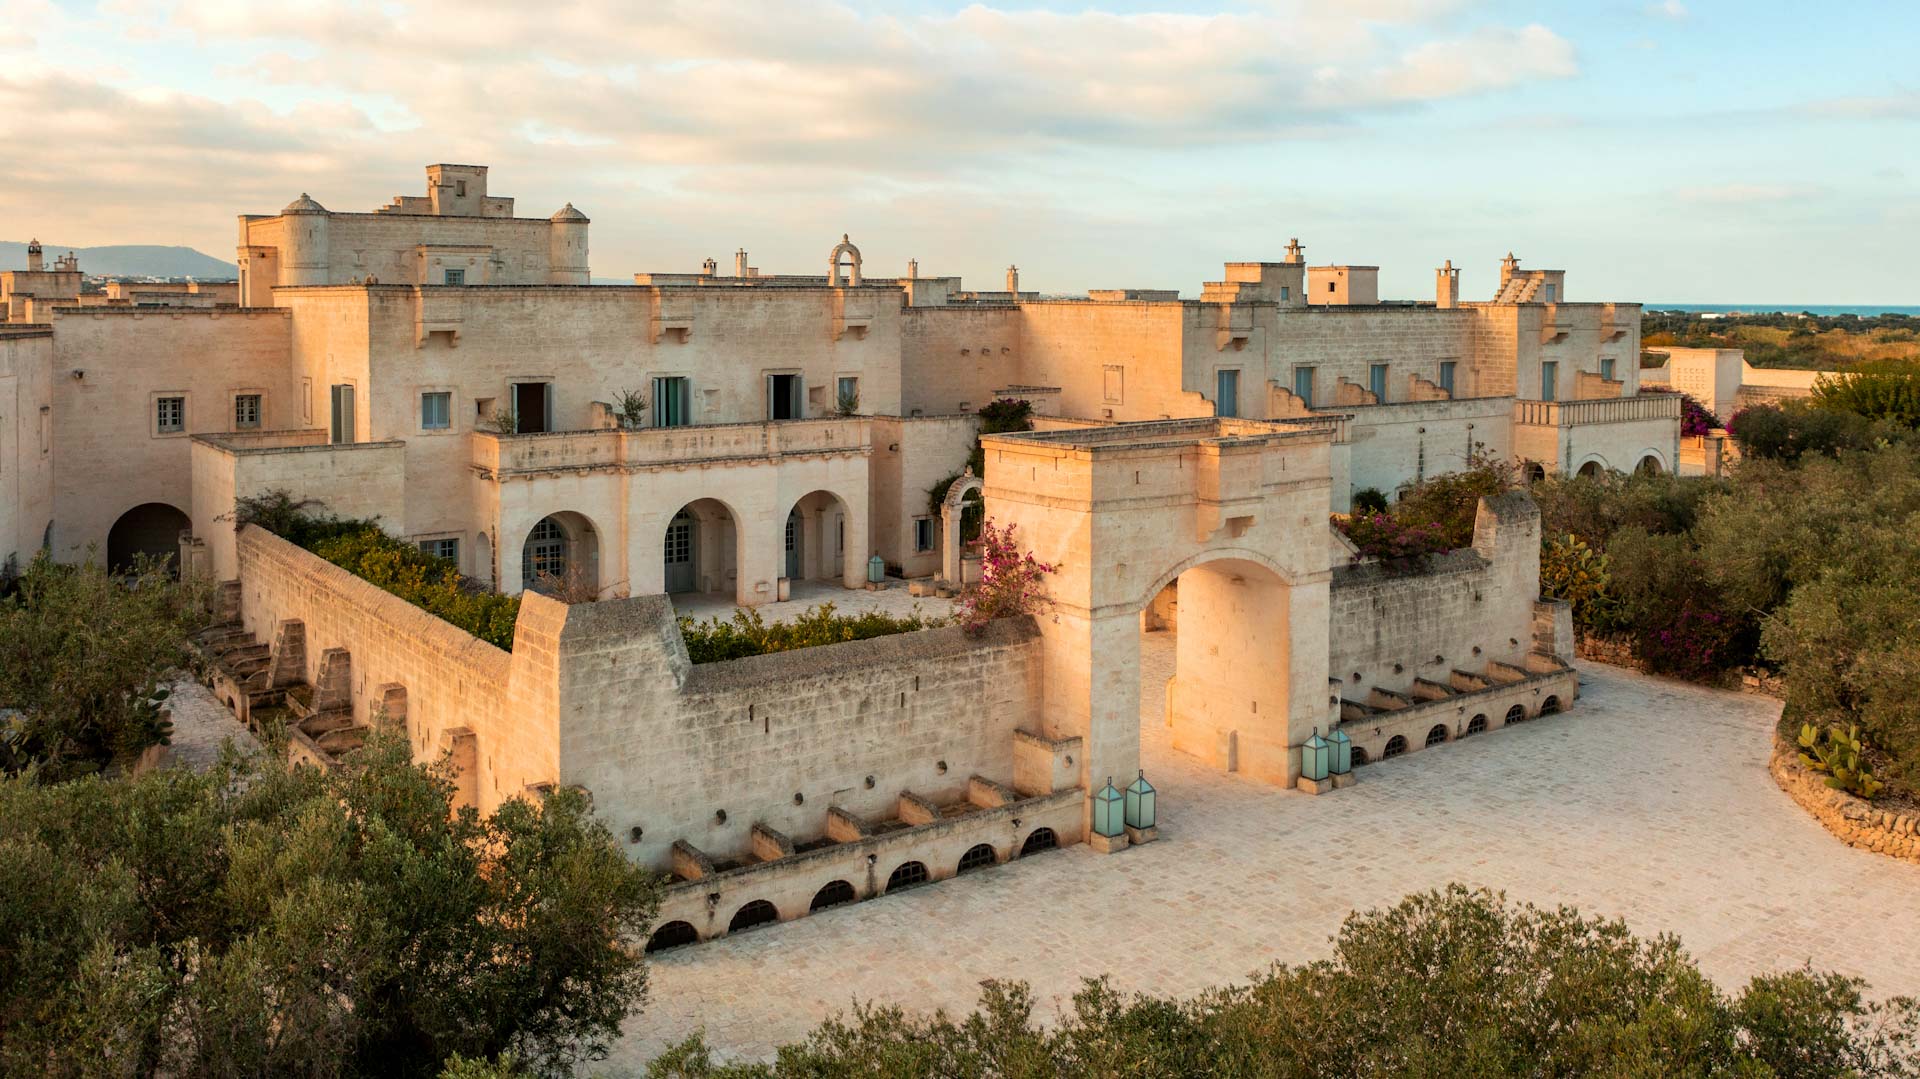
(568, 213)
(304, 205)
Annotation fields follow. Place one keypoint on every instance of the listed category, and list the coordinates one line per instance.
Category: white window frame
(654, 412)
(933, 534)
(459, 548)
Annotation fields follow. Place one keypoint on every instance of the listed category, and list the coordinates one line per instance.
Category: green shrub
(747, 633)
(358, 546)
(1573, 571)
(1840, 756)
(1795, 429)
(1450, 503)
(1886, 390)
(1369, 500)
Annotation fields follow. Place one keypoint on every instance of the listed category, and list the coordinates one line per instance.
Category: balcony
(498, 456)
(1600, 410)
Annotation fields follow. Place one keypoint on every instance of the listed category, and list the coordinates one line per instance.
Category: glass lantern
(1315, 755)
(1107, 811)
(1141, 811)
(1342, 752)
(876, 570)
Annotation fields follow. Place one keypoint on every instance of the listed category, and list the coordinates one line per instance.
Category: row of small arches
(911, 874)
(1439, 733)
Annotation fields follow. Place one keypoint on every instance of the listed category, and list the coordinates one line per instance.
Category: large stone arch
(1658, 460)
(150, 528)
(826, 538)
(709, 532)
(1591, 465)
(1237, 509)
(951, 508)
(581, 547)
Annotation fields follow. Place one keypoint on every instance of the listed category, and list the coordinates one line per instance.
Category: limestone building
(445, 366)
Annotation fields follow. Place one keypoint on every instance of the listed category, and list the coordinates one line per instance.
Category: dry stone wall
(1854, 820)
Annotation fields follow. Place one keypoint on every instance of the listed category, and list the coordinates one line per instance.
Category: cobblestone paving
(1649, 801)
(893, 599)
(200, 724)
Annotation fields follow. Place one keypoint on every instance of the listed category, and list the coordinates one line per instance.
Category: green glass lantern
(1108, 812)
(876, 570)
(1315, 756)
(1141, 811)
(1342, 752)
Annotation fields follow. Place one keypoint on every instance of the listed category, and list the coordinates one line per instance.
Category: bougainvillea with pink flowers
(1012, 581)
(1400, 546)
(1695, 419)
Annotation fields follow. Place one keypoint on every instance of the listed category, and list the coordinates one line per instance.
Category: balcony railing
(655, 447)
(1642, 406)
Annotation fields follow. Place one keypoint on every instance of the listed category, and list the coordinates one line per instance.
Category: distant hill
(132, 260)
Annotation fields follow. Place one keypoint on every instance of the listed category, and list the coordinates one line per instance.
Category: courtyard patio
(894, 599)
(1563, 810)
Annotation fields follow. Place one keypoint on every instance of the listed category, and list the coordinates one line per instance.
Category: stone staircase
(265, 685)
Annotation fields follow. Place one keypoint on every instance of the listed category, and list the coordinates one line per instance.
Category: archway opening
(1040, 839)
(909, 875)
(701, 550)
(1229, 698)
(672, 935)
(757, 913)
(561, 558)
(814, 538)
(1648, 466)
(1536, 472)
(151, 529)
(833, 894)
(978, 856)
(1550, 706)
(1591, 470)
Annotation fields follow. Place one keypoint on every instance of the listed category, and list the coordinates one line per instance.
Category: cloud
(1669, 9)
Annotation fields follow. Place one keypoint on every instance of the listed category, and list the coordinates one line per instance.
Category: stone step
(342, 740)
(1467, 681)
(1426, 690)
(321, 722)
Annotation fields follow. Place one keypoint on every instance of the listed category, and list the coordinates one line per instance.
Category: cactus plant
(1838, 754)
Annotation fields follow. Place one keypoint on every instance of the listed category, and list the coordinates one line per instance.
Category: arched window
(1038, 840)
(153, 530)
(1591, 470)
(978, 856)
(908, 875)
(1476, 724)
(1437, 736)
(672, 935)
(545, 554)
(1516, 714)
(1395, 746)
(1648, 466)
(1359, 756)
(1535, 472)
(758, 912)
(835, 893)
(1550, 706)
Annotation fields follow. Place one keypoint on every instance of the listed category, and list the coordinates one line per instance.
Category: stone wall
(1395, 445)
(26, 441)
(453, 680)
(1467, 609)
(1854, 820)
(909, 457)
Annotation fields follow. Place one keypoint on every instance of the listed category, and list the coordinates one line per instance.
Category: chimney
(740, 268)
(913, 269)
(709, 268)
(1446, 286)
(1508, 267)
(34, 261)
(1013, 280)
(1296, 255)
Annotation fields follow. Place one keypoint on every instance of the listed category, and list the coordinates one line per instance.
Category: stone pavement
(1649, 801)
(200, 724)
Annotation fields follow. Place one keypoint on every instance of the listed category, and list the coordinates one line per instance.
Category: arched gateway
(1236, 510)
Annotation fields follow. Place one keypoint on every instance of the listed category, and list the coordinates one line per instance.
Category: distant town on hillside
(130, 260)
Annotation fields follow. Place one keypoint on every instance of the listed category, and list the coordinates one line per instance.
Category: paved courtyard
(893, 599)
(1649, 801)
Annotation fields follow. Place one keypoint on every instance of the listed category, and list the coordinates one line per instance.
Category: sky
(1679, 151)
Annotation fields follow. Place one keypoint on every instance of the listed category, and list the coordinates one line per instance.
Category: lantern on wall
(1108, 812)
(1141, 811)
(1315, 755)
(1342, 752)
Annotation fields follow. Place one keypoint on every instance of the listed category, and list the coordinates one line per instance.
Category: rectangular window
(170, 415)
(784, 401)
(1115, 389)
(246, 411)
(672, 402)
(1446, 375)
(1226, 393)
(456, 277)
(1377, 382)
(847, 396)
(1606, 368)
(923, 534)
(436, 411)
(1286, 293)
(306, 400)
(1553, 293)
(342, 430)
(1303, 385)
(1549, 379)
(442, 548)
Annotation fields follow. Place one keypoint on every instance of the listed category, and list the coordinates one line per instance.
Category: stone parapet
(1853, 820)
